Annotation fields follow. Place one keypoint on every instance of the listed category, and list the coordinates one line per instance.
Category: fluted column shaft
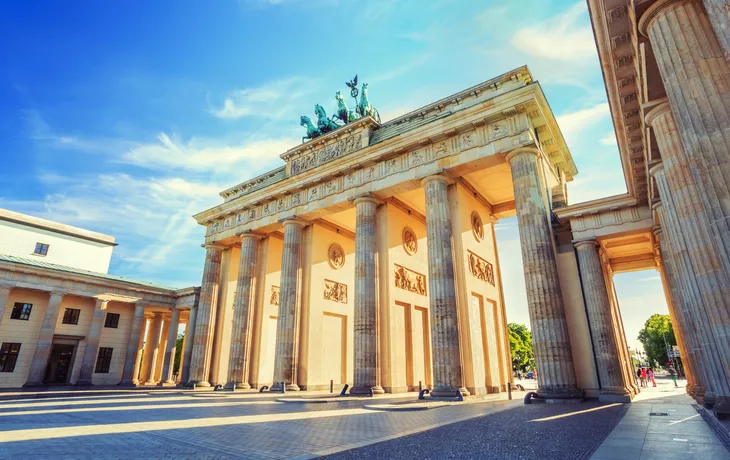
(88, 362)
(238, 363)
(555, 372)
(446, 353)
(717, 10)
(366, 300)
(189, 341)
(696, 76)
(285, 362)
(205, 322)
(692, 283)
(598, 307)
(151, 349)
(133, 347)
(667, 272)
(691, 234)
(45, 339)
(4, 297)
(170, 349)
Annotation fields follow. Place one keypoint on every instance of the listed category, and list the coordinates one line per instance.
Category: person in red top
(650, 374)
(643, 377)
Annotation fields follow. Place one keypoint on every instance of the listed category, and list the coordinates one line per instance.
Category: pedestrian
(643, 377)
(519, 375)
(638, 376)
(650, 374)
(673, 376)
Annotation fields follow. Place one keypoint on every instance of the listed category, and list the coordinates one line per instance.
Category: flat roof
(44, 224)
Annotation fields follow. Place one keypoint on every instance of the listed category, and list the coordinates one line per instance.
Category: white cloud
(205, 155)
(272, 100)
(609, 139)
(572, 124)
(566, 37)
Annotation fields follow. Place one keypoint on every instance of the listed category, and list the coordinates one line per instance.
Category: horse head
(339, 96)
(364, 91)
(305, 121)
(319, 111)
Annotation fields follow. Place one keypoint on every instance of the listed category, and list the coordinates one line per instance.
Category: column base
(448, 392)
(239, 386)
(615, 397)
(167, 383)
(709, 399)
(722, 407)
(556, 395)
(83, 383)
(199, 384)
(365, 390)
(34, 384)
(277, 387)
(128, 383)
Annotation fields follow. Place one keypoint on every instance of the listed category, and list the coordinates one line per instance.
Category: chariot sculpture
(343, 115)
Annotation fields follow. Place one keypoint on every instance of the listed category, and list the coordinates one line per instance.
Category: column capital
(656, 205)
(366, 199)
(651, 14)
(209, 246)
(657, 112)
(522, 151)
(436, 178)
(100, 303)
(656, 168)
(250, 234)
(294, 221)
(585, 243)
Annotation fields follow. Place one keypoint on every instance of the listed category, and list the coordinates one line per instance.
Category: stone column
(170, 350)
(446, 352)
(598, 308)
(188, 350)
(92, 344)
(161, 348)
(671, 292)
(151, 348)
(717, 10)
(205, 321)
(690, 232)
(555, 372)
(688, 310)
(696, 76)
(239, 359)
(366, 300)
(285, 362)
(4, 297)
(182, 353)
(45, 339)
(133, 347)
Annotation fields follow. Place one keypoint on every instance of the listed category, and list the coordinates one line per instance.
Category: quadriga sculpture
(324, 124)
(312, 131)
(364, 108)
(343, 113)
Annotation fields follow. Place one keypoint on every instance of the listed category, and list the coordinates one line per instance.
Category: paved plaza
(162, 424)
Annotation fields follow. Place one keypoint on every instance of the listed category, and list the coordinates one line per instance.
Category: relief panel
(481, 269)
(334, 291)
(410, 280)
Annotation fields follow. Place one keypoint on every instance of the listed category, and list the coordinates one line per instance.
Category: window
(103, 360)
(41, 249)
(21, 311)
(71, 316)
(8, 356)
(112, 320)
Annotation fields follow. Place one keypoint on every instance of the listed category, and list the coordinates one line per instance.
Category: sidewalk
(662, 423)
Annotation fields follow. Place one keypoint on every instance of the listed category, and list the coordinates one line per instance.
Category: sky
(127, 118)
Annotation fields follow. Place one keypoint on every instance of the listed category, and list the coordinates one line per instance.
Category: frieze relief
(424, 154)
(274, 298)
(334, 291)
(410, 280)
(481, 269)
(330, 152)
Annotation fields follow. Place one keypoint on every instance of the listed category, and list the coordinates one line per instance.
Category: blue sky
(129, 117)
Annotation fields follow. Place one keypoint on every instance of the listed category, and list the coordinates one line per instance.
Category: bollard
(283, 387)
(420, 386)
(332, 386)
(509, 391)
(344, 390)
(234, 388)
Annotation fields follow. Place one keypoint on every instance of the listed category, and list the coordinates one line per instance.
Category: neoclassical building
(65, 320)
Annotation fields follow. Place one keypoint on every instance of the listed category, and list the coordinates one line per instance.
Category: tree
(520, 343)
(178, 353)
(656, 335)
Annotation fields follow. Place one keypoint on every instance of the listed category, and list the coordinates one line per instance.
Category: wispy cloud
(574, 123)
(273, 100)
(609, 139)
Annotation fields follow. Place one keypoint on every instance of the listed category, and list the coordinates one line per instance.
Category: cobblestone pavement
(207, 425)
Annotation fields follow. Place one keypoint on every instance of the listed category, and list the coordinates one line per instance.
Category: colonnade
(692, 130)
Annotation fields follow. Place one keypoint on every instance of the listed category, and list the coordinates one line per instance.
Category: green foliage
(520, 343)
(656, 329)
(178, 353)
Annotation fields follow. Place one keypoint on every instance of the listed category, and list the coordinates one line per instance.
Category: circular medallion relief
(410, 242)
(336, 256)
(477, 227)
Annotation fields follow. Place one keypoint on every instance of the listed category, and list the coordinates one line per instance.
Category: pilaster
(45, 339)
